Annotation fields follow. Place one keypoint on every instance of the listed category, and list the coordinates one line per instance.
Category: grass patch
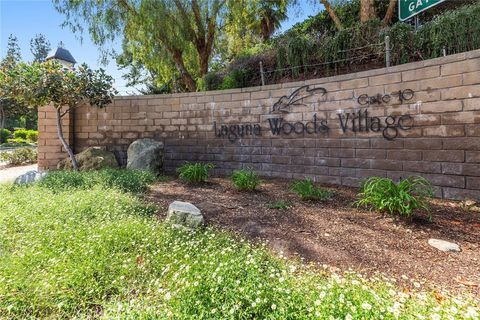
(279, 205)
(101, 253)
(245, 180)
(135, 181)
(195, 172)
(401, 199)
(308, 191)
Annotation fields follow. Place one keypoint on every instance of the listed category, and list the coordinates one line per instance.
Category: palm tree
(271, 13)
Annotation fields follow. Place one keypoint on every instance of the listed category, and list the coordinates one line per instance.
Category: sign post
(410, 8)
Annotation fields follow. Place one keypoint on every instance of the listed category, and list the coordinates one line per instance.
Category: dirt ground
(336, 233)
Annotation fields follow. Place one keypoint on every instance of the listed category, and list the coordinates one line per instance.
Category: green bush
(25, 135)
(19, 156)
(4, 135)
(20, 134)
(245, 180)
(308, 191)
(211, 81)
(235, 79)
(195, 172)
(135, 181)
(402, 198)
(32, 135)
(104, 254)
(17, 141)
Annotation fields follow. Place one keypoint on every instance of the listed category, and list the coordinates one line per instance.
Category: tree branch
(389, 14)
(332, 14)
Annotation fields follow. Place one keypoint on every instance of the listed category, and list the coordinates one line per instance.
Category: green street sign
(410, 8)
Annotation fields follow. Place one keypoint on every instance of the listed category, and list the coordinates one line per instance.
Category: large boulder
(184, 214)
(91, 159)
(145, 154)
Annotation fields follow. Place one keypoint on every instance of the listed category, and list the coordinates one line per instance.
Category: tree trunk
(186, 76)
(367, 10)
(2, 117)
(332, 14)
(389, 14)
(62, 139)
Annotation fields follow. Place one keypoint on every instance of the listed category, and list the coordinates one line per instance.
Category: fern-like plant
(308, 191)
(195, 172)
(401, 198)
(245, 180)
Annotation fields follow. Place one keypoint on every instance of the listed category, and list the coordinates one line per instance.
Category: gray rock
(30, 177)
(145, 154)
(444, 246)
(92, 158)
(184, 214)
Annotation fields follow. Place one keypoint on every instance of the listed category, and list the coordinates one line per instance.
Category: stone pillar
(50, 150)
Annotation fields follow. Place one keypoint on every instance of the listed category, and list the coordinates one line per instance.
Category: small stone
(444, 246)
(30, 177)
(184, 214)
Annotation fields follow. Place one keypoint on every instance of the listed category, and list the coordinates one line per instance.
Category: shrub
(279, 205)
(20, 133)
(4, 135)
(211, 81)
(32, 135)
(235, 79)
(23, 135)
(245, 180)
(19, 156)
(308, 191)
(17, 141)
(194, 172)
(402, 198)
(135, 181)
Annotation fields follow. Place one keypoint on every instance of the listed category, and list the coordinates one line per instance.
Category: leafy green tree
(165, 36)
(49, 83)
(271, 14)
(39, 47)
(13, 56)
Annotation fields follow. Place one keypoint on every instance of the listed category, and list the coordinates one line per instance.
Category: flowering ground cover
(70, 251)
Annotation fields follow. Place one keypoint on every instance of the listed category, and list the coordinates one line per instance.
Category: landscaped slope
(101, 253)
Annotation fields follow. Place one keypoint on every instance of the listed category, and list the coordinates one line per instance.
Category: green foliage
(40, 47)
(18, 141)
(211, 81)
(101, 253)
(279, 205)
(28, 135)
(135, 181)
(4, 135)
(19, 156)
(237, 78)
(245, 180)
(195, 172)
(401, 199)
(308, 191)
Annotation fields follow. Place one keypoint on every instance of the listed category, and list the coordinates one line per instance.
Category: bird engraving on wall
(296, 98)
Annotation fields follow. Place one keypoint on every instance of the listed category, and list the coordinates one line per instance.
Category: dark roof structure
(61, 54)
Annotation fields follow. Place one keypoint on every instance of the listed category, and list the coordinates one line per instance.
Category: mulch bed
(337, 234)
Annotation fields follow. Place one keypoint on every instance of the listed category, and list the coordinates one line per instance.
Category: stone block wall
(436, 132)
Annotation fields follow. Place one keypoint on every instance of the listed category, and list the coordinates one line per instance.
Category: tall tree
(14, 54)
(11, 59)
(271, 13)
(175, 33)
(367, 11)
(39, 47)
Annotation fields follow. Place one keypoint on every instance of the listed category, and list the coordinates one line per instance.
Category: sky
(25, 18)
